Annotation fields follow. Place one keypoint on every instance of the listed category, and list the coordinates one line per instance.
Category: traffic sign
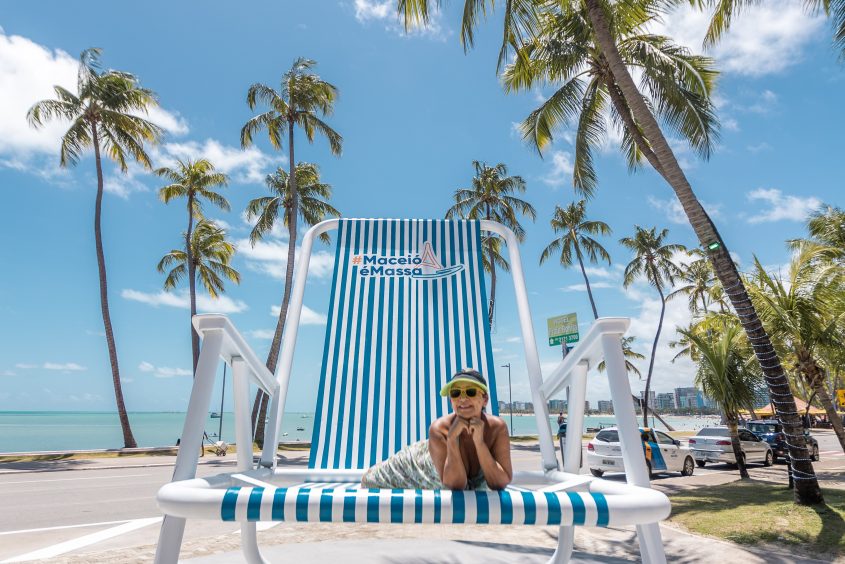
(563, 329)
(840, 397)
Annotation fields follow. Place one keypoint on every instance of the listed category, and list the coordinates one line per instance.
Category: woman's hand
(476, 430)
(458, 426)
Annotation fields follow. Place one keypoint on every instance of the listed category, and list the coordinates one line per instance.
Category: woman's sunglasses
(455, 393)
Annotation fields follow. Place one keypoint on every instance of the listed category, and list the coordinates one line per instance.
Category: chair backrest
(408, 308)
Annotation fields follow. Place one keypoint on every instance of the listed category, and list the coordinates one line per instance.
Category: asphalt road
(57, 509)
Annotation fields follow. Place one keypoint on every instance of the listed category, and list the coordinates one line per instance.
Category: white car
(713, 444)
(662, 452)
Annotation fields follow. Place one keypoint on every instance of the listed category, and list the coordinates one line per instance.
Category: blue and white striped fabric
(407, 310)
(350, 504)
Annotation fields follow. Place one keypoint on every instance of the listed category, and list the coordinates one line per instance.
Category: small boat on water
(214, 415)
(300, 428)
(284, 434)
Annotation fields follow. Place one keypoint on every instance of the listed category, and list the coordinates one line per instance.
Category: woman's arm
(445, 451)
(495, 460)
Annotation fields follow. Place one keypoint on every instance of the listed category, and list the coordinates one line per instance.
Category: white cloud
(264, 334)
(270, 257)
(243, 165)
(561, 169)
(384, 11)
(163, 371)
(792, 208)
(763, 104)
(674, 211)
(181, 299)
(28, 72)
(763, 39)
(308, 316)
(599, 272)
(583, 287)
(730, 124)
(759, 147)
(8, 373)
(63, 367)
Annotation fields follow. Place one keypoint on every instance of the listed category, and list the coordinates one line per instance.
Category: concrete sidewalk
(500, 544)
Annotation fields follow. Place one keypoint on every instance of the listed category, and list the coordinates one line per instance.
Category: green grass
(753, 512)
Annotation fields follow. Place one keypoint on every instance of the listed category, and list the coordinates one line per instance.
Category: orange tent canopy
(799, 403)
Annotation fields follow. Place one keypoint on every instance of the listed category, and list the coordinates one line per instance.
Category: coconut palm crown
(196, 181)
(491, 197)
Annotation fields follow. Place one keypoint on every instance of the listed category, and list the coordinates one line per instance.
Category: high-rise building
(503, 406)
(605, 406)
(665, 401)
(652, 398)
(688, 398)
(557, 406)
(586, 406)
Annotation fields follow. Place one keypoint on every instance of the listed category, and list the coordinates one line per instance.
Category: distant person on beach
(466, 449)
(560, 419)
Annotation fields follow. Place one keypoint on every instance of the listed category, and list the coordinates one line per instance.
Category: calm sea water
(28, 431)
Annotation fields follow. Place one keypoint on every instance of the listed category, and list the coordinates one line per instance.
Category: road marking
(122, 476)
(87, 540)
(60, 527)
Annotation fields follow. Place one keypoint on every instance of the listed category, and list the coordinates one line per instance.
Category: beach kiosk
(407, 309)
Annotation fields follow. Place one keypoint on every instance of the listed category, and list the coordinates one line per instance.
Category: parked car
(771, 431)
(662, 452)
(713, 444)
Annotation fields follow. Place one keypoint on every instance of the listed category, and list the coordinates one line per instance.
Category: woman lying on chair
(466, 450)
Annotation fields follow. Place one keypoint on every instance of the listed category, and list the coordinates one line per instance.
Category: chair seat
(597, 503)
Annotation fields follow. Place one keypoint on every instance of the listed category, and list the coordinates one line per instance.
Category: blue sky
(414, 111)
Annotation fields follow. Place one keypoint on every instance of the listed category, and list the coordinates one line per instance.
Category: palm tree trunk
(586, 280)
(807, 489)
(192, 282)
(128, 438)
(653, 353)
(737, 448)
(273, 356)
(815, 379)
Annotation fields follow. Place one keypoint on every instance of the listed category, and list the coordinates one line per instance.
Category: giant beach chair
(407, 309)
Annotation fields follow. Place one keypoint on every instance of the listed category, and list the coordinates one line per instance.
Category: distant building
(665, 402)
(688, 398)
(557, 406)
(503, 406)
(652, 398)
(605, 406)
(586, 406)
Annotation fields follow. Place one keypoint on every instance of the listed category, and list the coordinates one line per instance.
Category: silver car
(713, 444)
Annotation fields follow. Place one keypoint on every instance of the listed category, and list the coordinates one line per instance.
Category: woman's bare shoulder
(441, 424)
(496, 423)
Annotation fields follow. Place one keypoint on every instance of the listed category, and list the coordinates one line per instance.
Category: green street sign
(557, 341)
(563, 328)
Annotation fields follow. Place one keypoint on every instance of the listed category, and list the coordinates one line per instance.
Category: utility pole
(510, 395)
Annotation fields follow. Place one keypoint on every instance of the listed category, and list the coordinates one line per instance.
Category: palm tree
(521, 20)
(806, 313)
(827, 226)
(211, 255)
(102, 116)
(194, 180)
(660, 155)
(699, 279)
(564, 52)
(491, 197)
(575, 240)
(726, 374)
(302, 98)
(653, 261)
(313, 207)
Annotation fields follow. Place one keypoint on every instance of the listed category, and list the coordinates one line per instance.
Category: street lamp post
(510, 395)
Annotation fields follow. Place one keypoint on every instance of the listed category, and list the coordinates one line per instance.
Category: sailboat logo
(429, 260)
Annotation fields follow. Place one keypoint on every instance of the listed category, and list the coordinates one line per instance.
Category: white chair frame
(188, 497)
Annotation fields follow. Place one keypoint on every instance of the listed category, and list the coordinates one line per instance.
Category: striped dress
(410, 469)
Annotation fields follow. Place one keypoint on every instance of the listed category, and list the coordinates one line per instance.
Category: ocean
(29, 431)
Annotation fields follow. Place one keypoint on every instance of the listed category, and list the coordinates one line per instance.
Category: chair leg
(170, 540)
(565, 544)
(651, 544)
(249, 544)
